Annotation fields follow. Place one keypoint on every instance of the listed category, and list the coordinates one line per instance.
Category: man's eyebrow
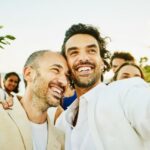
(57, 65)
(71, 48)
(74, 47)
(91, 46)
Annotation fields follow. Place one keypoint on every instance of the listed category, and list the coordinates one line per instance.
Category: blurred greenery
(145, 68)
(4, 39)
(146, 71)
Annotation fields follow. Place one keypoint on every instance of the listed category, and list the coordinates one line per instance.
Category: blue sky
(41, 24)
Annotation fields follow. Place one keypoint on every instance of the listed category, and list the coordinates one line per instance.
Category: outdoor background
(41, 24)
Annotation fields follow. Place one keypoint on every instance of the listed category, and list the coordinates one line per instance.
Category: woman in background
(128, 70)
(11, 85)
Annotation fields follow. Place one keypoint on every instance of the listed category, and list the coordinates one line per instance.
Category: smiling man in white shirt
(113, 117)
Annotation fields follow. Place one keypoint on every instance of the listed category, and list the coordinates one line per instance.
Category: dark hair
(7, 75)
(127, 64)
(93, 31)
(122, 55)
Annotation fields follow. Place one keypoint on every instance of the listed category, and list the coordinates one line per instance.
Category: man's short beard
(87, 84)
(84, 85)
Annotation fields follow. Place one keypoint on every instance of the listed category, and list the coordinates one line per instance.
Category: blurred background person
(120, 57)
(70, 96)
(128, 70)
(10, 85)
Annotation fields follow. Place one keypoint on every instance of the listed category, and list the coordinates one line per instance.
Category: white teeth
(56, 90)
(84, 69)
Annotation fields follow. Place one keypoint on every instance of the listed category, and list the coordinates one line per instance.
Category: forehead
(81, 40)
(129, 69)
(51, 58)
(118, 61)
(13, 77)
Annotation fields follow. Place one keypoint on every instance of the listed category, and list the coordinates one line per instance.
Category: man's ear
(29, 74)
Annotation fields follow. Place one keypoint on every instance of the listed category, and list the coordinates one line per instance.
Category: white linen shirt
(78, 137)
(117, 117)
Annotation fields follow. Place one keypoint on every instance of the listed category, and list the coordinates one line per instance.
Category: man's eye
(55, 70)
(92, 51)
(73, 53)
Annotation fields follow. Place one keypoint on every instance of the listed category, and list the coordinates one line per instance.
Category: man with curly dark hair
(103, 117)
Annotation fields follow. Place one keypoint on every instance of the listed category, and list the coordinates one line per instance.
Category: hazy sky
(41, 24)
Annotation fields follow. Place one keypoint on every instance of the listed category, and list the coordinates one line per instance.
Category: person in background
(120, 57)
(104, 117)
(11, 86)
(128, 70)
(11, 83)
(69, 98)
(26, 125)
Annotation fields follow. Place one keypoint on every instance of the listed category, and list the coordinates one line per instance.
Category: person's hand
(8, 103)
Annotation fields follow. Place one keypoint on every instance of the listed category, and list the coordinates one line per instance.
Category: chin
(55, 103)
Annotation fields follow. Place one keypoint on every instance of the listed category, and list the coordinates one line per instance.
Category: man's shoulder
(128, 83)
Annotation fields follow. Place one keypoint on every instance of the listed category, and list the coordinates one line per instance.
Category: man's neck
(33, 111)
(80, 90)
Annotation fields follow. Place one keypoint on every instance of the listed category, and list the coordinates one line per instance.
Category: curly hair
(93, 31)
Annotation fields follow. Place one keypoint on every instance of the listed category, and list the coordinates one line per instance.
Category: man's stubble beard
(91, 81)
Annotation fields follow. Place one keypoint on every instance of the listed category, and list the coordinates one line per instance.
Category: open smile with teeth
(58, 92)
(85, 70)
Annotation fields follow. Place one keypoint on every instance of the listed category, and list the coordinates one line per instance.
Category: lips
(57, 91)
(85, 69)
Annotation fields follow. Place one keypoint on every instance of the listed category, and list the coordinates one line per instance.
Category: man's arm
(136, 106)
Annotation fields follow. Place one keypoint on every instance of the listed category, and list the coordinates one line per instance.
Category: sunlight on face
(84, 60)
(51, 80)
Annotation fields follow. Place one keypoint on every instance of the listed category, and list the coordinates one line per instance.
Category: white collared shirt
(118, 118)
(78, 137)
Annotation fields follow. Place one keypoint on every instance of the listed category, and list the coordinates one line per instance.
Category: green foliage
(4, 40)
(145, 68)
(146, 71)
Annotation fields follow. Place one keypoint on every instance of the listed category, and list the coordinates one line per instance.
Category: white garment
(51, 113)
(118, 118)
(3, 94)
(39, 136)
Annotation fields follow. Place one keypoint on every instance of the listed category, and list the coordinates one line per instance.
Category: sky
(41, 24)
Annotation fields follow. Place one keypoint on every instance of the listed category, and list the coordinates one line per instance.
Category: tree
(4, 40)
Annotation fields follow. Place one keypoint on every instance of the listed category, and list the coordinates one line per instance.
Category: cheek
(70, 62)
(6, 83)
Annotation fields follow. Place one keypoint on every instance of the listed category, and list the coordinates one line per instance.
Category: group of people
(103, 117)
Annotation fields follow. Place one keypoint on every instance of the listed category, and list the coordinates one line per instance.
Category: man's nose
(83, 57)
